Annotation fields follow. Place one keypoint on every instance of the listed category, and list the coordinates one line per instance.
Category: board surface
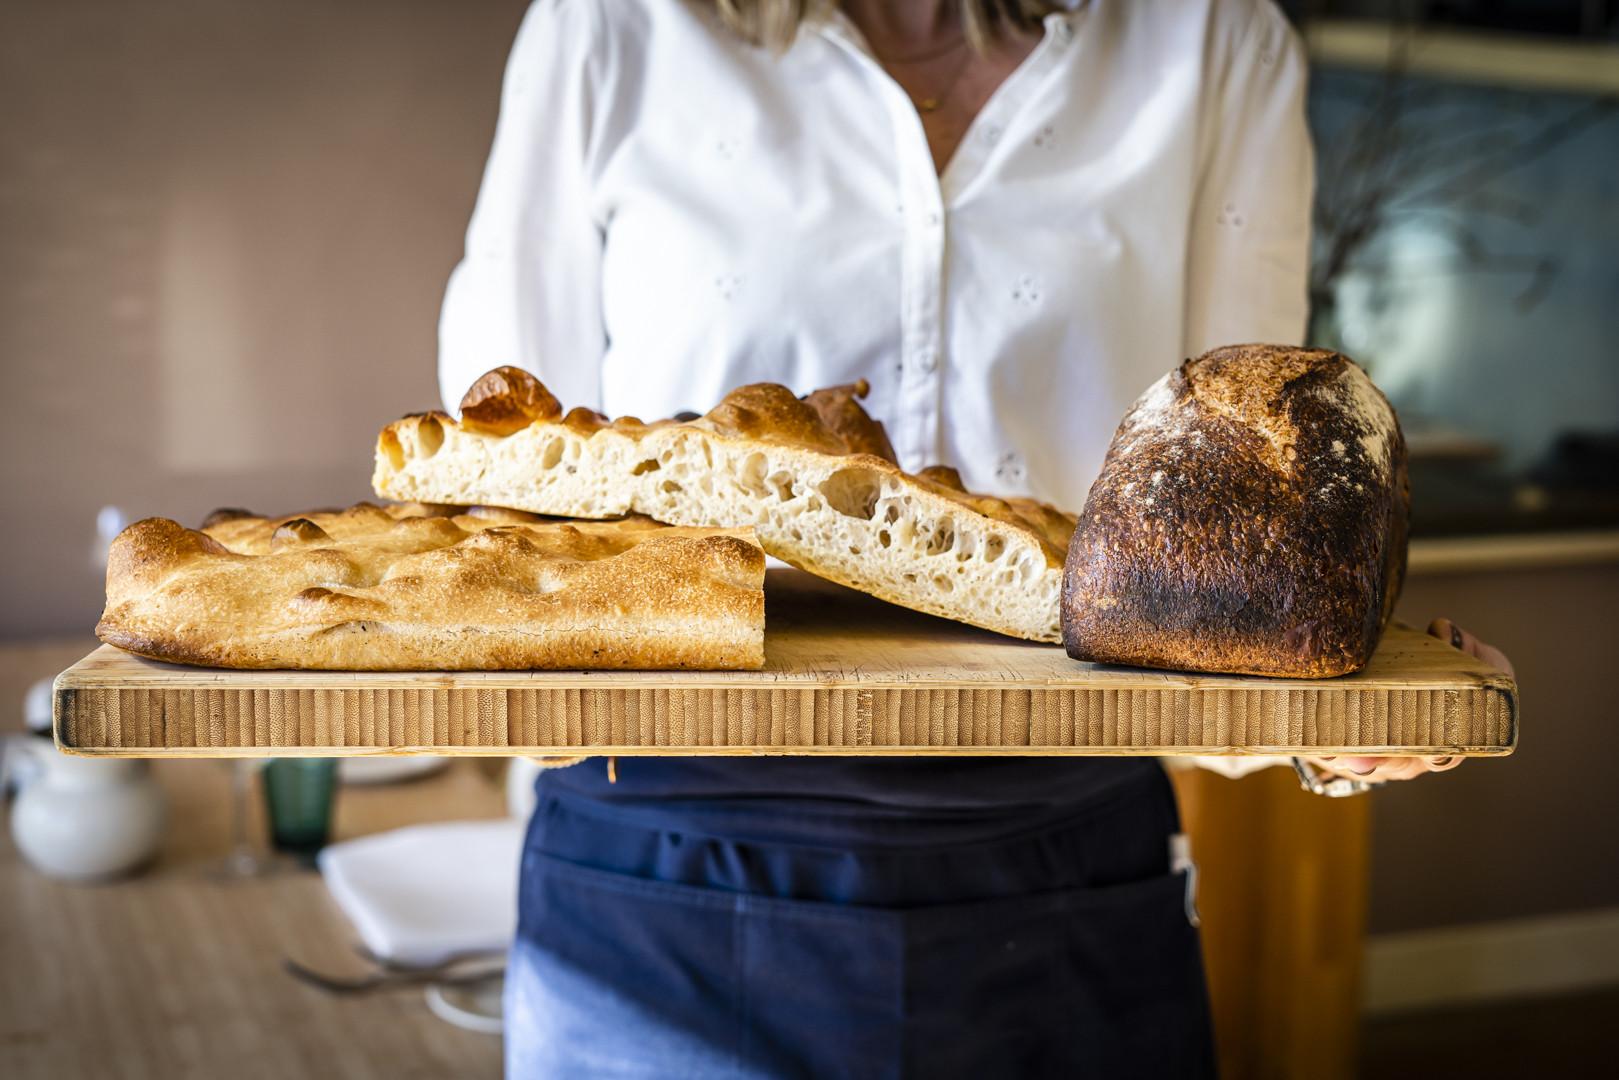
(844, 674)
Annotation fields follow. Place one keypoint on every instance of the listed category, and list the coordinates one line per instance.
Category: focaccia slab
(814, 477)
(419, 588)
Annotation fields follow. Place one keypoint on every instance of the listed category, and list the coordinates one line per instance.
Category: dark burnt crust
(223, 514)
(178, 649)
(772, 413)
(840, 411)
(505, 400)
(1195, 552)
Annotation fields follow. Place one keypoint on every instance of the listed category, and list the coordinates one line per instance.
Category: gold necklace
(932, 102)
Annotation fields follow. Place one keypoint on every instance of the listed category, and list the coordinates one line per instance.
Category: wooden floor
(1542, 1038)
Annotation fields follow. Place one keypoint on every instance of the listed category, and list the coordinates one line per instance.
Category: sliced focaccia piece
(815, 477)
(409, 588)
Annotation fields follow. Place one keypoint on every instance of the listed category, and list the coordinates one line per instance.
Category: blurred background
(226, 230)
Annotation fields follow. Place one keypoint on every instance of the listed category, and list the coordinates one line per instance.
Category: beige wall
(225, 228)
(1530, 834)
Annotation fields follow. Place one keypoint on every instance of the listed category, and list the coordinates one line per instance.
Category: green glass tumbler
(298, 794)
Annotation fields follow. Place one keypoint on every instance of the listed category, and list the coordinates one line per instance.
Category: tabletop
(176, 973)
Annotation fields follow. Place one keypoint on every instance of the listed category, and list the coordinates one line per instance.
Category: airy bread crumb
(813, 477)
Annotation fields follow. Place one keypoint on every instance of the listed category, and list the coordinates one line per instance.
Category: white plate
(475, 1006)
(387, 770)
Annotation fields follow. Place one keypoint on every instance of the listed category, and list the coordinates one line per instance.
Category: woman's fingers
(1445, 630)
(1377, 770)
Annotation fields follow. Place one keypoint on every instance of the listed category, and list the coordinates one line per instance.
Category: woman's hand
(1377, 769)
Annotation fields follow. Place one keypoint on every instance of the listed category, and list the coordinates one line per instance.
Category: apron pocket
(615, 976)
(1086, 982)
(1137, 965)
(628, 977)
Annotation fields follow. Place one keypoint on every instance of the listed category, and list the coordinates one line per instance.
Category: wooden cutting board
(844, 674)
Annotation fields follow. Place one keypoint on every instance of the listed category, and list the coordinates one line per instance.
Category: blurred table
(175, 974)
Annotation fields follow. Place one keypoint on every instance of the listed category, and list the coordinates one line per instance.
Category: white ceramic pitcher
(79, 818)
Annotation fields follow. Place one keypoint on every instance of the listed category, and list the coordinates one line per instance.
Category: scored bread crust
(1251, 516)
(815, 477)
(409, 588)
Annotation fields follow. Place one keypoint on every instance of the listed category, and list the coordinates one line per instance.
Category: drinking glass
(298, 794)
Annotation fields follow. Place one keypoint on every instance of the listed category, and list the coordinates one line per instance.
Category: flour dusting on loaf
(1251, 516)
(1369, 410)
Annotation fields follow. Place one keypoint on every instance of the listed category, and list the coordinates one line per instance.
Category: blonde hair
(774, 23)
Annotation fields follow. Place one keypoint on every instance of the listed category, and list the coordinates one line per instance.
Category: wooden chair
(1282, 892)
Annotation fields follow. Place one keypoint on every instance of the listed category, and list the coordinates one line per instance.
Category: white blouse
(669, 212)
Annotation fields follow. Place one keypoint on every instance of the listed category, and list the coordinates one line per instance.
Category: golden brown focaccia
(815, 477)
(408, 588)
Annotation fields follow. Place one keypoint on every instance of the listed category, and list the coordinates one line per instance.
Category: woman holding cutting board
(1010, 216)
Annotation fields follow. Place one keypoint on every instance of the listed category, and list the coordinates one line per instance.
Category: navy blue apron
(652, 943)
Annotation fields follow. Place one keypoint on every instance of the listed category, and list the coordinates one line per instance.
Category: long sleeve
(1249, 245)
(528, 289)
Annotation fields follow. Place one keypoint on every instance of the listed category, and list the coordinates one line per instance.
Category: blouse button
(1027, 290)
(1010, 471)
(927, 360)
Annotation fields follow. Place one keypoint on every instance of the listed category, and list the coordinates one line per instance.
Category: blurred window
(1467, 253)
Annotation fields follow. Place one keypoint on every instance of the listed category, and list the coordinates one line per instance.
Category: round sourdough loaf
(1251, 516)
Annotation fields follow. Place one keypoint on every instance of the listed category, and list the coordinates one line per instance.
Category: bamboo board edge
(938, 690)
(781, 751)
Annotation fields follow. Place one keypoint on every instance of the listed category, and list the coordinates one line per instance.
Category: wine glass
(244, 859)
